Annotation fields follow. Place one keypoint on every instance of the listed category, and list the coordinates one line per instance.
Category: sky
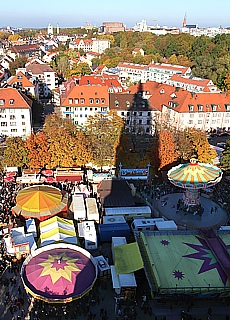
(76, 13)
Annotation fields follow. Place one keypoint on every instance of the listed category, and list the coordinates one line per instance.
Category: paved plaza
(166, 206)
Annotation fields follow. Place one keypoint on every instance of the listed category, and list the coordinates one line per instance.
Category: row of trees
(104, 141)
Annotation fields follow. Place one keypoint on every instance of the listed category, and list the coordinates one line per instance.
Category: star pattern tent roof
(39, 201)
(59, 273)
(195, 175)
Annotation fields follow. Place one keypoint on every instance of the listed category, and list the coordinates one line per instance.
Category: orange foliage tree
(167, 150)
(38, 150)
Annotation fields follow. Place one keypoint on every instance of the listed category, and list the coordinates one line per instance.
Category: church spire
(185, 20)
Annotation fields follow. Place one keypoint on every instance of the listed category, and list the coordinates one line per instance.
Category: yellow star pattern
(65, 272)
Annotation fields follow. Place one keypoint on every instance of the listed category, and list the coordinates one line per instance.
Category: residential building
(26, 50)
(193, 84)
(138, 50)
(138, 114)
(90, 45)
(15, 113)
(44, 73)
(79, 102)
(21, 81)
(158, 72)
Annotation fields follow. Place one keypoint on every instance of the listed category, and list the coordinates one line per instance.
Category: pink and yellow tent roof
(59, 273)
(194, 175)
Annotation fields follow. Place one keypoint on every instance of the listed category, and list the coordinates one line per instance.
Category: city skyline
(71, 13)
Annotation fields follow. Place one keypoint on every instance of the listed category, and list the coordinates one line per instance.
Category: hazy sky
(74, 13)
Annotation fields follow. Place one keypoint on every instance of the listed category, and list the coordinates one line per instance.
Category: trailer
(78, 207)
(107, 231)
(113, 219)
(166, 225)
(128, 212)
(92, 209)
(145, 224)
(123, 284)
(87, 231)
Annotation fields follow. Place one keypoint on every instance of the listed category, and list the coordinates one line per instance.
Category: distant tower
(58, 29)
(185, 21)
(50, 30)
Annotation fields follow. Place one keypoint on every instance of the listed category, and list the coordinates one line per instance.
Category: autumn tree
(103, 132)
(225, 160)
(38, 150)
(17, 63)
(83, 152)
(15, 154)
(200, 146)
(167, 149)
(80, 69)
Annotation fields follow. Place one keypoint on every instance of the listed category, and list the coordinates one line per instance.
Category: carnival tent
(57, 229)
(40, 201)
(59, 273)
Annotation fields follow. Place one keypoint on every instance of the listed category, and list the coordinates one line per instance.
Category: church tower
(50, 30)
(184, 21)
(58, 29)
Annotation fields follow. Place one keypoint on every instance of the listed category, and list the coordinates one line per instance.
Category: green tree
(18, 63)
(103, 132)
(15, 154)
(80, 69)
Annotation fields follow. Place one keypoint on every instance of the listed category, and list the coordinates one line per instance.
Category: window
(70, 101)
(140, 121)
(2, 102)
(191, 108)
(102, 101)
(76, 101)
(127, 121)
(128, 114)
(22, 115)
(199, 121)
(214, 115)
(134, 113)
(19, 77)
(201, 115)
(200, 108)
(127, 104)
(13, 130)
(190, 122)
(97, 101)
(11, 102)
(12, 117)
(86, 109)
(90, 109)
(86, 115)
(91, 101)
(148, 122)
(116, 103)
(191, 115)
(80, 115)
(3, 124)
(140, 114)
(82, 101)
(13, 124)
(214, 108)
(23, 123)
(149, 113)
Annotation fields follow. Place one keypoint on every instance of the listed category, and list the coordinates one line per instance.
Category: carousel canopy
(59, 273)
(195, 175)
(39, 201)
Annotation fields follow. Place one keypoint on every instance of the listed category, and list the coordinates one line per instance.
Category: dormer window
(214, 107)
(191, 108)
(2, 102)
(70, 101)
(200, 107)
(11, 102)
(127, 104)
(162, 91)
(227, 106)
(116, 103)
(19, 77)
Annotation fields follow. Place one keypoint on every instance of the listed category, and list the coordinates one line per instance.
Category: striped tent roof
(194, 175)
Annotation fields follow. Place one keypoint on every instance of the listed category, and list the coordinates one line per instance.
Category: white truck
(92, 209)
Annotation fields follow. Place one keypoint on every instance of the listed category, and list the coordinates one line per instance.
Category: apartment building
(90, 45)
(15, 113)
(21, 81)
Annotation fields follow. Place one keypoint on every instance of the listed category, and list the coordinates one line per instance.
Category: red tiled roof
(13, 99)
(86, 93)
(24, 48)
(37, 68)
(166, 66)
(132, 65)
(25, 82)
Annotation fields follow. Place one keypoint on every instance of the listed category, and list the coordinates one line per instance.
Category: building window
(190, 122)
(116, 103)
(91, 101)
(148, 122)
(140, 121)
(22, 115)
(201, 115)
(149, 113)
(13, 124)
(2, 102)
(102, 101)
(214, 115)
(97, 101)
(82, 101)
(140, 114)
(23, 123)
(11, 102)
(191, 115)
(13, 130)
(200, 108)
(128, 114)
(3, 124)
(12, 117)
(90, 109)
(70, 101)
(19, 77)
(122, 113)
(76, 101)
(199, 121)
